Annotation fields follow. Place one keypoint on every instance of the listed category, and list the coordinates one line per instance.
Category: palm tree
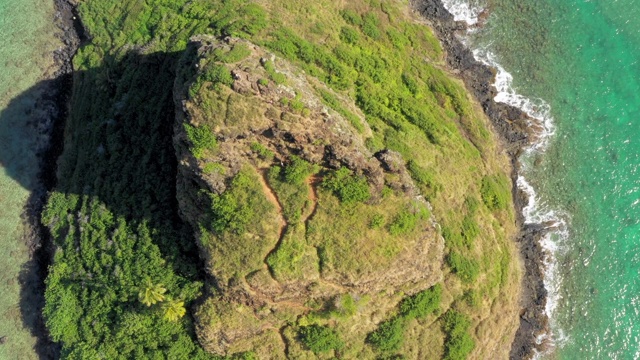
(151, 293)
(173, 309)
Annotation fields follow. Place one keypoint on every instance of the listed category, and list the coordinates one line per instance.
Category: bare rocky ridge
(514, 127)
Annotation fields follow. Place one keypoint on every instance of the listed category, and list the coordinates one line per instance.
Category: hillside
(276, 180)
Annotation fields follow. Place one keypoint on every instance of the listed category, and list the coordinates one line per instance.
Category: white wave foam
(534, 212)
(558, 231)
(463, 11)
(537, 109)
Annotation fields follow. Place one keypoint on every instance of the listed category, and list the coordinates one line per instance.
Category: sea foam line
(534, 212)
(463, 11)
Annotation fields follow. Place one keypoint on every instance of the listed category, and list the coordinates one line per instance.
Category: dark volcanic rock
(510, 122)
(513, 126)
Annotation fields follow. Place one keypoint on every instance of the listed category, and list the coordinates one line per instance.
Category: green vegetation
(458, 343)
(496, 192)
(151, 293)
(293, 259)
(377, 221)
(125, 275)
(421, 304)
(213, 168)
(239, 206)
(346, 242)
(371, 26)
(407, 220)
(349, 35)
(424, 179)
(94, 304)
(389, 335)
(290, 187)
(467, 269)
(262, 151)
(236, 217)
(173, 309)
(348, 187)
(319, 338)
(298, 170)
(202, 139)
(277, 77)
(237, 53)
(336, 105)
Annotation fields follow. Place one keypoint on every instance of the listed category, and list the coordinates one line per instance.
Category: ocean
(27, 43)
(574, 65)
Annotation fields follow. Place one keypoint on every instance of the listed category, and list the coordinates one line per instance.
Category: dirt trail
(313, 181)
(271, 196)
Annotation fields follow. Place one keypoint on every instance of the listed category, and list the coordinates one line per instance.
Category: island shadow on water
(123, 155)
(29, 129)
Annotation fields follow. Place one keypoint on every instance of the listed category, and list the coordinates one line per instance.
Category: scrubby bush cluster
(201, 138)
(467, 269)
(458, 343)
(290, 186)
(496, 192)
(320, 338)
(390, 333)
(239, 205)
(348, 187)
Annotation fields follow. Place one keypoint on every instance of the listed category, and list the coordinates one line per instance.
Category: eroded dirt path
(271, 196)
(312, 182)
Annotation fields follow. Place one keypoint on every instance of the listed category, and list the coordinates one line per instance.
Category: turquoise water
(27, 43)
(583, 58)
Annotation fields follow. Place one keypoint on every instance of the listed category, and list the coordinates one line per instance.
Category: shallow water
(583, 59)
(26, 47)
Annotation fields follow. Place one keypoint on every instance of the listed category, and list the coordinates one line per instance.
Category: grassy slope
(391, 68)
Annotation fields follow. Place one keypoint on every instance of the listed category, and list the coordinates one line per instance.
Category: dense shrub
(389, 334)
(370, 26)
(495, 192)
(262, 151)
(320, 338)
(240, 19)
(347, 187)
(201, 138)
(452, 235)
(458, 342)
(406, 221)
(298, 170)
(377, 221)
(239, 205)
(217, 74)
(467, 269)
(422, 304)
(349, 35)
(470, 230)
(351, 17)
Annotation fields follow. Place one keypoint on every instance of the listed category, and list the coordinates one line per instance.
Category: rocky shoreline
(512, 124)
(48, 118)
